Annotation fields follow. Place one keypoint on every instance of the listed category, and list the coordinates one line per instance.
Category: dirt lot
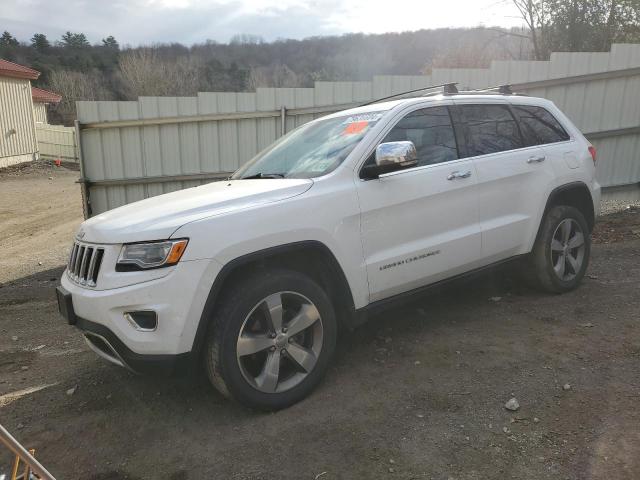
(418, 393)
(40, 208)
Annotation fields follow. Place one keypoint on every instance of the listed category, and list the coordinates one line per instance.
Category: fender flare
(559, 191)
(231, 266)
(570, 186)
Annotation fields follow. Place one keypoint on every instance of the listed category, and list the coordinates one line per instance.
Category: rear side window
(538, 126)
(487, 128)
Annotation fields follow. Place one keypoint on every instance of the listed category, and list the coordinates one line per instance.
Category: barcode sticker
(363, 117)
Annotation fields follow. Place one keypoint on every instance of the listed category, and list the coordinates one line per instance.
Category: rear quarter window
(539, 126)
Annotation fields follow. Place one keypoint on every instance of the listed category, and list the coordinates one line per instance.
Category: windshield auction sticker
(363, 117)
(355, 127)
(359, 123)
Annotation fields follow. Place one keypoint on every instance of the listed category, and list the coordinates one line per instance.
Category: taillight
(592, 151)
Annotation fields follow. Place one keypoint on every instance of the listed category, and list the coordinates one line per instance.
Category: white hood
(158, 217)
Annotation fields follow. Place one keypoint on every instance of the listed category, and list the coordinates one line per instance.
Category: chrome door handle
(455, 175)
(539, 159)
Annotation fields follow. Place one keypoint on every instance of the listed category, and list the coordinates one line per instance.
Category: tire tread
(234, 295)
(539, 273)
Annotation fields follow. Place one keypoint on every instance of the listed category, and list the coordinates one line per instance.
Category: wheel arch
(311, 257)
(574, 194)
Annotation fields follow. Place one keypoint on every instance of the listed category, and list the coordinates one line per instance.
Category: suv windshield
(311, 150)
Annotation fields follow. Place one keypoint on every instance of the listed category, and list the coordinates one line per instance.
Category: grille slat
(76, 271)
(84, 269)
(98, 256)
(72, 260)
(72, 257)
(84, 264)
(91, 267)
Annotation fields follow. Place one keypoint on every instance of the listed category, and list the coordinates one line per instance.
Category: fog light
(145, 320)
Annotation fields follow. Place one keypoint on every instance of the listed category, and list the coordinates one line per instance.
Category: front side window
(487, 128)
(538, 126)
(431, 132)
(311, 150)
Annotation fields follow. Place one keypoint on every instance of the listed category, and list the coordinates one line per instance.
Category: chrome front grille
(84, 264)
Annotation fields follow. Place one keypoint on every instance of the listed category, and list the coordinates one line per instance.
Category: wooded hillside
(81, 71)
(78, 70)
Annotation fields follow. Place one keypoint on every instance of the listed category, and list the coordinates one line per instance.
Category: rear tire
(271, 340)
(560, 255)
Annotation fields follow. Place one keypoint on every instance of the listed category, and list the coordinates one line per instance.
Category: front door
(420, 225)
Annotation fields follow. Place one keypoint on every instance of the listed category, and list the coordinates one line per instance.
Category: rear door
(540, 127)
(420, 225)
(512, 179)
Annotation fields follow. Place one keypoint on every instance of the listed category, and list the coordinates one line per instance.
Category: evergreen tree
(40, 42)
(111, 42)
(75, 40)
(8, 40)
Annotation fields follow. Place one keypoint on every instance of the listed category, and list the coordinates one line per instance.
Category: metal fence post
(84, 182)
(283, 120)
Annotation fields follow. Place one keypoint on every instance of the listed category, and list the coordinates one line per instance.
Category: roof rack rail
(447, 89)
(450, 88)
(504, 89)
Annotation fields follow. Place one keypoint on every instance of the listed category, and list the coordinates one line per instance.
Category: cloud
(192, 21)
(140, 21)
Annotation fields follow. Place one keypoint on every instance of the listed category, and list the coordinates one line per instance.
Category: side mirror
(391, 156)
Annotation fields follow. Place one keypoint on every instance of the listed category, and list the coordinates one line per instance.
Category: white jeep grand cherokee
(256, 275)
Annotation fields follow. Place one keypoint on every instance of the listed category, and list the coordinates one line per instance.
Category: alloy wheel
(567, 249)
(279, 342)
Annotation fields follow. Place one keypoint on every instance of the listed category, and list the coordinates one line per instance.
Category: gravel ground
(417, 393)
(615, 206)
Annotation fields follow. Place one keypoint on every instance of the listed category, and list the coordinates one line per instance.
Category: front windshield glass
(311, 150)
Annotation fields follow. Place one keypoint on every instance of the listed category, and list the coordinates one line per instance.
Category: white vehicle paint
(403, 230)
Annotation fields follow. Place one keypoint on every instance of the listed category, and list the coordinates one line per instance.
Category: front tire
(560, 255)
(271, 340)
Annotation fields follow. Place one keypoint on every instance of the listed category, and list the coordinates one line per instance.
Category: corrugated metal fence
(133, 150)
(57, 142)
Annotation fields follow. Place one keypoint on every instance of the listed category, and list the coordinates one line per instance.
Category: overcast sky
(194, 21)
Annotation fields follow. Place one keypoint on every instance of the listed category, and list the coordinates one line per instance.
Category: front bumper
(178, 299)
(108, 346)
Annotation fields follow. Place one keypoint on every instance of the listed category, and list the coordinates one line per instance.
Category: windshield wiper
(264, 175)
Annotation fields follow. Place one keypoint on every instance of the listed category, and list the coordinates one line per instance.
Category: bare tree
(579, 26)
(246, 39)
(279, 75)
(258, 77)
(187, 75)
(144, 73)
(534, 13)
(75, 86)
(478, 48)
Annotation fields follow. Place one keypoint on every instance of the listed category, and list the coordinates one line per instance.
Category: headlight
(142, 256)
